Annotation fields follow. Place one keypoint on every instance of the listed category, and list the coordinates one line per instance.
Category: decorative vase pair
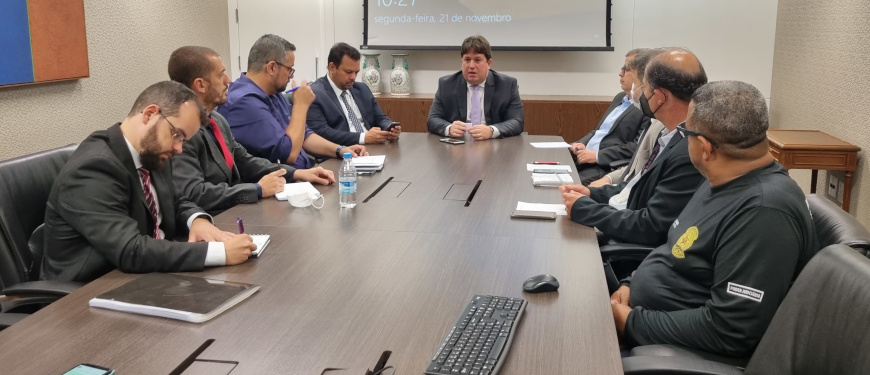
(400, 80)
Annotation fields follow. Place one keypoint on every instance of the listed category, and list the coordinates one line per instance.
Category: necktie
(352, 116)
(149, 199)
(652, 157)
(475, 105)
(220, 140)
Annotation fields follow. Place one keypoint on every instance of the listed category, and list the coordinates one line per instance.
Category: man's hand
(587, 157)
(355, 150)
(601, 182)
(376, 135)
(577, 147)
(480, 132)
(202, 230)
(303, 95)
(394, 133)
(568, 199)
(620, 316)
(457, 129)
(575, 187)
(238, 249)
(621, 296)
(317, 175)
(273, 183)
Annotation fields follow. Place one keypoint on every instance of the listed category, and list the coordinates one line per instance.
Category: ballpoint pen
(546, 162)
(296, 88)
(241, 225)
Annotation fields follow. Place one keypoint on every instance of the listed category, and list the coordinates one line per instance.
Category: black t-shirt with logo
(730, 258)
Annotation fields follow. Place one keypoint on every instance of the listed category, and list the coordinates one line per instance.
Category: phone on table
(391, 126)
(452, 141)
(89, 369)
(541, 215)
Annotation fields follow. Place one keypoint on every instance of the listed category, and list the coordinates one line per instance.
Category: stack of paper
(551, 179)
(369, 163)
(559, 209)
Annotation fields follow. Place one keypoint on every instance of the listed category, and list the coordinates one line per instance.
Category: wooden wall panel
(58, 38)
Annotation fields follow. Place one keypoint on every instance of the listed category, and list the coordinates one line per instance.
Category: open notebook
(188, 298)
(551, 179)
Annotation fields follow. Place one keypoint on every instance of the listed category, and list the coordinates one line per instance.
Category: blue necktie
(476, 111)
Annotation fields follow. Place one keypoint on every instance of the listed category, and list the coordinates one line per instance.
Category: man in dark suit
(664, 186)
(214, 171)
(345, 111)
(477, 100)
(113, 205)
(616, 136)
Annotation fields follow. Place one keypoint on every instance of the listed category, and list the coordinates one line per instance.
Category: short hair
(476, 44)
(682, 84)
(269, 47)
(732, 113)
(639, 62)
(188, 63)
(339, 50)
(169, 96)
(635, 51)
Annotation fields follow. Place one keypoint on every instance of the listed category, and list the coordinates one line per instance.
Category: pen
(296, 88)
(546, 162)
(241, 225)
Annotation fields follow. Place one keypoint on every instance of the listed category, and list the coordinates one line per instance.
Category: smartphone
(89, 369)
(452, 141)
(391, 126)
(533, 215)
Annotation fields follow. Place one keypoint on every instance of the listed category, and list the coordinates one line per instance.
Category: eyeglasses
(624, 69)
(682, 129)
(291, 69)
(177, 135)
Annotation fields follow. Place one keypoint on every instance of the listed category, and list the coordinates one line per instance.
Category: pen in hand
(241, 225)
(297, 87)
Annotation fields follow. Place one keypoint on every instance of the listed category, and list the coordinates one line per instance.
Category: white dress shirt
(353, 106)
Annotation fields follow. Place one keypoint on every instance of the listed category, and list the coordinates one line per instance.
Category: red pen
(546, 162)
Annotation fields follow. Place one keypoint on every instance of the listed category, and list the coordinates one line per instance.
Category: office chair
(818, 328)
(25, 183)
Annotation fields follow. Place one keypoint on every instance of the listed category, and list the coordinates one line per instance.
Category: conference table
(340, 286)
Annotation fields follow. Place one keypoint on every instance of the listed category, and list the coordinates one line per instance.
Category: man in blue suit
(345, 111)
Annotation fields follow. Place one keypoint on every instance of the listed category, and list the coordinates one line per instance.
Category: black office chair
(818, 328)
(25, 183)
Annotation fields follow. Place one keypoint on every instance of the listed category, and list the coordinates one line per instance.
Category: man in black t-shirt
(735, 249)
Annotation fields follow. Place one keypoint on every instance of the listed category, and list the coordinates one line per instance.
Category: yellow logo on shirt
(685, 242)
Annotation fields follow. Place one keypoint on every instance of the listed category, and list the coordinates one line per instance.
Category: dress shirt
(482, 89)
(620, 201)
(216, 255)
(353, 106)
(605, 127)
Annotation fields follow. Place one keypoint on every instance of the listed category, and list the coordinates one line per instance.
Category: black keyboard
(479, 342)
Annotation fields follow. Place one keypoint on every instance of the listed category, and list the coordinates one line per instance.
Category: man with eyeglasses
(263, 121)
(113, 205)
(734, 251)
(667, 180)
(615, 137)
(476, 100)
(215, 171)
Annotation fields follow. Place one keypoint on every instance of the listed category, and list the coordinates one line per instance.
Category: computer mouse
(541, 283)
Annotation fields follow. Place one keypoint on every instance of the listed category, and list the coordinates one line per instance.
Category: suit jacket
(201, 173)
(326, 117)
(97, 220)
(621, 141)
(644, 148)
(502, 106)
(654, 203)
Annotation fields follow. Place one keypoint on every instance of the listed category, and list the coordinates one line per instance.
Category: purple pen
(241, 225)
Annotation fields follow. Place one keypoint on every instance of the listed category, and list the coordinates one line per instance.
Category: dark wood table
(341, 286)
(813, 149)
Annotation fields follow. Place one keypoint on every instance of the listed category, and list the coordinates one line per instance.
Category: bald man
(667, 180)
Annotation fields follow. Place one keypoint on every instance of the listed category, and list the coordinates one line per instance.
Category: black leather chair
(25, 183)
(818, 329)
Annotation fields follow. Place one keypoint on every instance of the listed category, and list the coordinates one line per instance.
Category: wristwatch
(338, 152)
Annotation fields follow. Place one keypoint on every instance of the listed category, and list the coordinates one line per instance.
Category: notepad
(261, 240)
(187, 298)
(369, 163)
(559, 209)
(551, 179)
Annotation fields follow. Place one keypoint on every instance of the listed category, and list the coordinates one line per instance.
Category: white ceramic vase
(370, 74)
(400, 80)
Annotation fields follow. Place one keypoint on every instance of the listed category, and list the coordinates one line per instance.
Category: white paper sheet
(550, 145)
(547, 167)
(559, 209)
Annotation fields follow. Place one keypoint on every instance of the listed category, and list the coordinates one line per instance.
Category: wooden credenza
(570, 117)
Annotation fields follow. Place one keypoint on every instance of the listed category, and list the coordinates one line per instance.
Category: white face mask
(305, 199)
(634, 101)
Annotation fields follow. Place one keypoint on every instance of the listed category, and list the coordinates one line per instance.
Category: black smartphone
(89, 369)
(391, 126)
(452, 141)
(533, 215)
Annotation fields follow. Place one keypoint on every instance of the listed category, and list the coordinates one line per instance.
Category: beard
(150, 157)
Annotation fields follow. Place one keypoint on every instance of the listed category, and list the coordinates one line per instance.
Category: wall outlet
(832, 185)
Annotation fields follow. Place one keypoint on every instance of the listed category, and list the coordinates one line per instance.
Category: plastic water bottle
(347, 182)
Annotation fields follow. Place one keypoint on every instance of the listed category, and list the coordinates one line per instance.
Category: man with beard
(113, 205)
(214, 171)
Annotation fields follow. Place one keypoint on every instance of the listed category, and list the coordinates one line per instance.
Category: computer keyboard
(479, 342)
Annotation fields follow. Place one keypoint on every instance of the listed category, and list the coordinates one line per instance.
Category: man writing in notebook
(214, 171)
(113, 205)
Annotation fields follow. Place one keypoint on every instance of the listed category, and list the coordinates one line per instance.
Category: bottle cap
(347, 155)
